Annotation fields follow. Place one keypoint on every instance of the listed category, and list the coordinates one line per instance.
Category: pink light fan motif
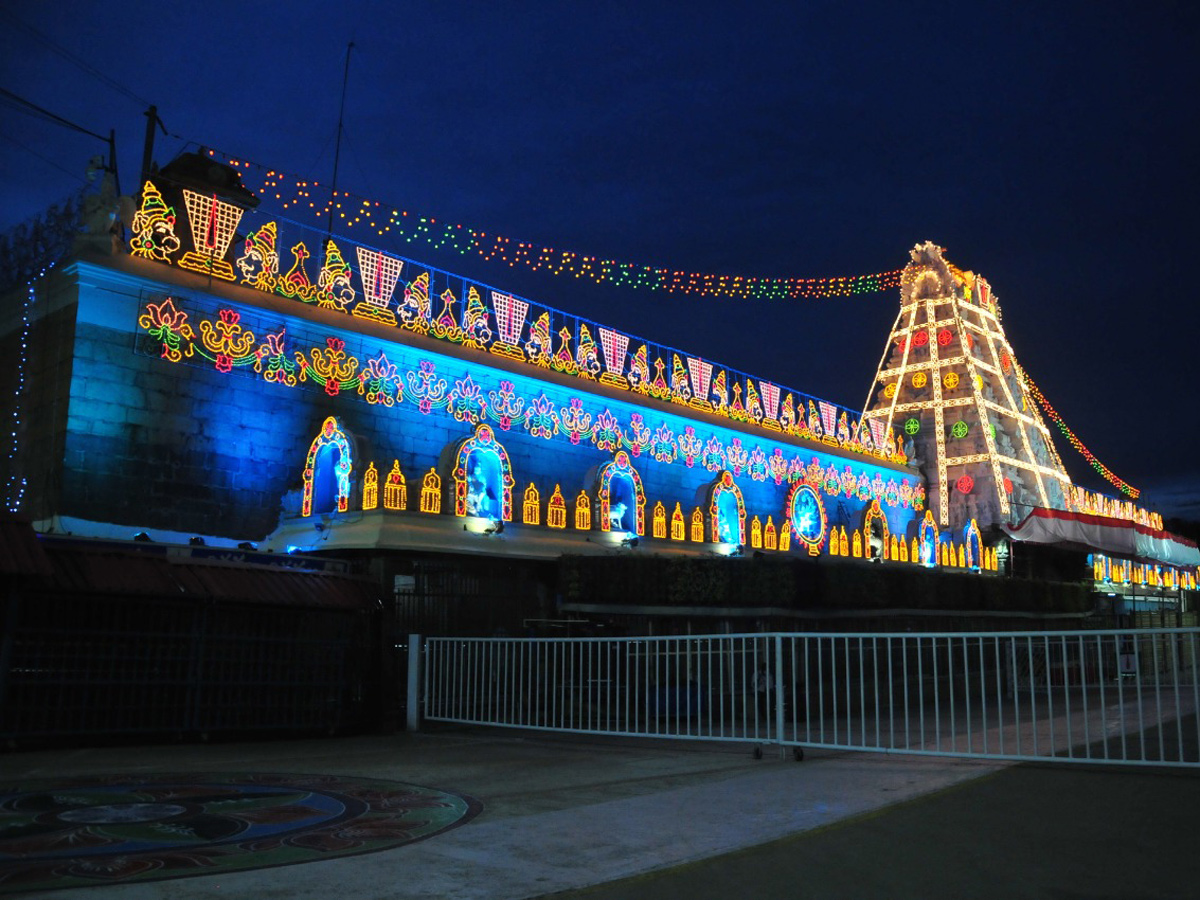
(701, 373)
(379, 274)
(510, 321)
(213, 223)
(828, 418)
(770, 396)
(615, 345)
(510, 316)
(877, 433)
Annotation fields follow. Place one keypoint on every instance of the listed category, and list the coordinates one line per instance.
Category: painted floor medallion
(121, 829)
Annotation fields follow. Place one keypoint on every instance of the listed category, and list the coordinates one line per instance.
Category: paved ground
(631, 819)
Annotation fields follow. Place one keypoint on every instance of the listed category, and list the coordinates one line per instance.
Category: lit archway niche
(327, 471)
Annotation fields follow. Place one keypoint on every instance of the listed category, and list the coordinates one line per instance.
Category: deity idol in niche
(728, 530)
(482, 500)
(806, 517)
(621, 506)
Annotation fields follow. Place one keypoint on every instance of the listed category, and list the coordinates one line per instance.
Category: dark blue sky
(1050, 147)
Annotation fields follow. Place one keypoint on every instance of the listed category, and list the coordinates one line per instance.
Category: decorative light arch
(330, 436)
(872, 514)
(973, 541)
(929, 541)
(804, 515)
(725, 485)
(620, 467)
(482, 442)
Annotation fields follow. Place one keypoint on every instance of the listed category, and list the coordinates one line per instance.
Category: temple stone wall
(182, 446)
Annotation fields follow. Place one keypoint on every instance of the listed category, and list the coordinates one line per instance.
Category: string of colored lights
(1087, 454)
(300, 195)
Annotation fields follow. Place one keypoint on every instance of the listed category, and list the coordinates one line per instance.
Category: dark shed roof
(20, 551)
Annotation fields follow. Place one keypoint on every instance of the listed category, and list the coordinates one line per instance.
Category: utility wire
(44, 159)
(71, 57)
(45, 113)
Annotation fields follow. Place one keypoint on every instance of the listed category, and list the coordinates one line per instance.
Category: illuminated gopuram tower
(950, 383)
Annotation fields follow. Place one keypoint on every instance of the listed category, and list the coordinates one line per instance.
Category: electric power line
(71, 57)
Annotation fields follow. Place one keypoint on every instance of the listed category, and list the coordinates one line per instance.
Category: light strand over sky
(1087, 454)
(297, 195)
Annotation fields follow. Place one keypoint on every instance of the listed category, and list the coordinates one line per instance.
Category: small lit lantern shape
(531, 512)
(370, 488)
(431, 492)
(556, 509)
(213, 222)
(678, 529)
(660, 520)
(583, 512)
(395, 491)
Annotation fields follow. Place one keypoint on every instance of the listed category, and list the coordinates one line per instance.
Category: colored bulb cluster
(300, 195)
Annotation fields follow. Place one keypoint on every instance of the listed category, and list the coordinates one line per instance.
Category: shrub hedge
(806, 584)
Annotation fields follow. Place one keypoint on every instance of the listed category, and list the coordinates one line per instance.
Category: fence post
(413, 708)
(779, 692)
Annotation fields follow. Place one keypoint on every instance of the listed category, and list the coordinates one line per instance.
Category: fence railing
(1112, 696)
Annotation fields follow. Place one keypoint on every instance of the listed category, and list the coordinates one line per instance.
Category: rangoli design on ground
(118, 829)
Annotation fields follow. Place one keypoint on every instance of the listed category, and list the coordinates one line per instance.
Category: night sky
(1050, 147)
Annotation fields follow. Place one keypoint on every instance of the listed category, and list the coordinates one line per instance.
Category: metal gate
(1110, 696)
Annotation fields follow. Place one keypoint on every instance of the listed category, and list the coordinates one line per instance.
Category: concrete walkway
(620, 818)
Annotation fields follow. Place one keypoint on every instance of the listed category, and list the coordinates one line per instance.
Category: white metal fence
(1112, 696)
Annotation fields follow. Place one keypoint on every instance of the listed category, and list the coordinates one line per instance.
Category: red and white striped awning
(1116, 537)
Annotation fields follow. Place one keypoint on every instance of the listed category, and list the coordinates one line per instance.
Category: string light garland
(1087, 454)
(298, 195)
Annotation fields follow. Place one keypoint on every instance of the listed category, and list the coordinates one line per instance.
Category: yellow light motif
(556, 510)
(213, 222)
(370, 488)
(395, 490)
(532, 508)
(659, 520)
(677, 524)
(431, 492)
(583, 512)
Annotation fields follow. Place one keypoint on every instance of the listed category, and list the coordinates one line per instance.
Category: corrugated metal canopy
(20, 551)
(107, 570)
